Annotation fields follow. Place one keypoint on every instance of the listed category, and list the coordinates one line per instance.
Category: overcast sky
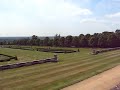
(65, 17)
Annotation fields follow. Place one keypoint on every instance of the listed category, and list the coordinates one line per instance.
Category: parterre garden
(71, 68)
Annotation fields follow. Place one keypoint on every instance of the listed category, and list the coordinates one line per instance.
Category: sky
(65, 17)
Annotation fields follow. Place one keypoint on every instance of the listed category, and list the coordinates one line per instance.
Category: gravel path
(104, 81)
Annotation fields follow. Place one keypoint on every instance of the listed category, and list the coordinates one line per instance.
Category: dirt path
(103, 81)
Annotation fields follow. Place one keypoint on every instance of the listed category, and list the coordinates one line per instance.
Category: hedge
(22, 64)
(95, 52)
(8, 58)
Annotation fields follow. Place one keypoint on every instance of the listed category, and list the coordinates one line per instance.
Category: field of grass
(24, 55)
(71, 68)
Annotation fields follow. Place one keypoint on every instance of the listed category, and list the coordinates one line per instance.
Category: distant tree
(1, 43)
(46, 41)
(68, 41)
(62, 41)
(75, 41)
(102, 41)
(117, 33)
(83, 42)
(93, 42)
(50, 43)
(56, 40)
(80, 39)
(38, 42)
(81, 35)
(15, 42)
(34, 37)
(87, 37)
(34, 40)
(112, 40)
(41, 42)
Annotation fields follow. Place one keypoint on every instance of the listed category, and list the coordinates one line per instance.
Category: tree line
(104, 39)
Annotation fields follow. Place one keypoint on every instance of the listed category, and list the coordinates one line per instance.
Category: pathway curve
(103, 81)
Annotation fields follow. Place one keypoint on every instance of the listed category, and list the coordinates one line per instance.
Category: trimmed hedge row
(43, 49)
(95, 52)
(55, 50)
(9, 58)
(22, 64)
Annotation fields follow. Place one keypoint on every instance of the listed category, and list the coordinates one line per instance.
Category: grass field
(71, 68)
(24, 55)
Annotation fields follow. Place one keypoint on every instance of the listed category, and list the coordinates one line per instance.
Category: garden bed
(22, 64)
(55, 50)
(52, 50)
(4, 58)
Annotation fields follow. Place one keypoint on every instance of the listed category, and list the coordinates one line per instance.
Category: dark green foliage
(75, 41)
(104, 39)
(56, 40)
(84, 42)
(68, 41)
(92, 42)
(62, 41)
(46, 41)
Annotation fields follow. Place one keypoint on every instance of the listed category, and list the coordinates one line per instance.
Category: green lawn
(24, 55)
(71, 68)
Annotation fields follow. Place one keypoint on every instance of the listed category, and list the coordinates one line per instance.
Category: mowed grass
(24, 55)
(71, 68)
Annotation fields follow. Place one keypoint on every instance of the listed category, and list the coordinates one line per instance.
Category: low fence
(94, 52)
(8, 58)
(22, 64)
